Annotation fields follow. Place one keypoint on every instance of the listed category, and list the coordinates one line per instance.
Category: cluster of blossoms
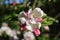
(31, 22)
(11, 33)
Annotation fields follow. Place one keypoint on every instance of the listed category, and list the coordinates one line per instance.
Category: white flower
(1, 31)
(12, 33)
(28, 36)
(23, 20)
(37, 12)
(4, 27)
(15, 37)
(8, 31)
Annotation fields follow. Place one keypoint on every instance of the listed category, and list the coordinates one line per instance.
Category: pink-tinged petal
(26, 14)
(40, 19)
(36, 32)
(46, 28)
(40, 11)
(29, 28)
(32, 21)
(29, 11)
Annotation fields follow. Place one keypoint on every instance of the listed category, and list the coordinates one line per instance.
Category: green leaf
(6, 17)
(45, 23)
(15, 15)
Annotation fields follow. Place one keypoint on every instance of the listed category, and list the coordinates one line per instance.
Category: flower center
(35, 15)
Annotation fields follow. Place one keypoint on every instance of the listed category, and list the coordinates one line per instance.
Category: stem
(34, 4)
(57, 16)
(57, 36)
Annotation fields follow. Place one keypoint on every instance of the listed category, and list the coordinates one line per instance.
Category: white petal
(1, 32)
(21, 13)
(39, 25)
(28, 36)
(23, 20)
(15, 37)
(42, 13)
(29, 28)
(29, 11)
(39, 11)
(18, 32)
(9, 33)
(33, 21)
(22, 39)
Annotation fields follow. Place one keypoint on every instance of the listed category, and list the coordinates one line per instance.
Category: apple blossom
(9, 31)
(28, 36)
(36, 13)
(40, 11)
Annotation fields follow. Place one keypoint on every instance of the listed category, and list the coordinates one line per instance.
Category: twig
(34, 4)
(57, 16)
(25, 3)
(57, 35)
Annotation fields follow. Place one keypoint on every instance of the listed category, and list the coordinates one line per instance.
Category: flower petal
(29, 11)
(29, 28)
(23, 20)
(46, 28)
(40, 11)
(36, 32)
(39, 25)
(28, 36)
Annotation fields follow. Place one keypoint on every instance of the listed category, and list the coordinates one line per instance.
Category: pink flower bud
(46, 28)
(23, 27)
(36, 32)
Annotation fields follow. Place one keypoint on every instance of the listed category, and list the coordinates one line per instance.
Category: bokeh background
(9, 10)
